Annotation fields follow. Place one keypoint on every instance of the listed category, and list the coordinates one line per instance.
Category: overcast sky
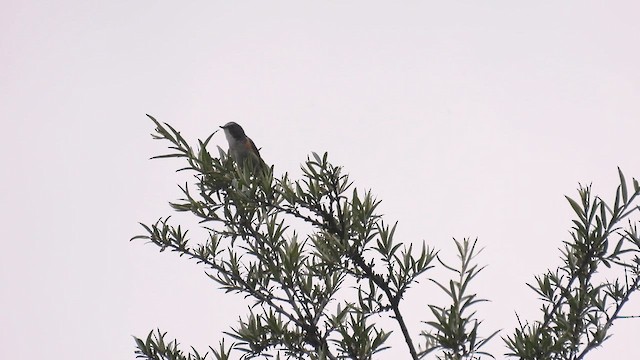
(467, 118)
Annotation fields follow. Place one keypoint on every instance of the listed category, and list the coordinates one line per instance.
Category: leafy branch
(579, 307)
(295, 283)
(455, 331)
(317, 262)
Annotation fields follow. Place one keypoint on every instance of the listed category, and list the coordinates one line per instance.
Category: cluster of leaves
(313, 296)
(455, 331)
(580, 303)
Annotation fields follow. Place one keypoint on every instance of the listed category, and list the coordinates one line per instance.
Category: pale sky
(468, 119)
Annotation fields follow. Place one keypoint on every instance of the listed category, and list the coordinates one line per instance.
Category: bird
(241, 148)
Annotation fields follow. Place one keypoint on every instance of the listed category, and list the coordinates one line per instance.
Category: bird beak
(221, 127)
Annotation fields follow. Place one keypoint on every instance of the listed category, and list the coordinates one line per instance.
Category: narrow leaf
(623, 184)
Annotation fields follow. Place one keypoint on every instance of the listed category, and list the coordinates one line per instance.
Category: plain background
(468, 119)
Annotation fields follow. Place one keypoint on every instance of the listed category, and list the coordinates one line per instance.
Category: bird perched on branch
(241, 147)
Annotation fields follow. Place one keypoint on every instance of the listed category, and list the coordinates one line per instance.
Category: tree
(314, 295)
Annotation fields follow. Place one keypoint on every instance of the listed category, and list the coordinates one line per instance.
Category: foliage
(579, 306)
(314, 295)
(456, 333)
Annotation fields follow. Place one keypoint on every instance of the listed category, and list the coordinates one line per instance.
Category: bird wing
(252, 147)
